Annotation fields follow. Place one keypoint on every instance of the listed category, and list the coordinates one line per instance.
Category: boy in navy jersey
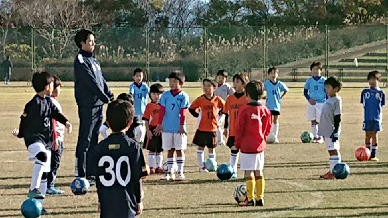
(373, 100)
(119, 161)
(36, 129)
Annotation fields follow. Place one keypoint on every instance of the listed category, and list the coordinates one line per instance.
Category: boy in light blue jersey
(139, 91)
(373, 99)
(314, 91)
(275, 90)
(172, 125)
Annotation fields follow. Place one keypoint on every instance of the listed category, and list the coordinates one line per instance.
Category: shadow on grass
(332, 190)
(29, 177)
(369, 173)
(291, 209)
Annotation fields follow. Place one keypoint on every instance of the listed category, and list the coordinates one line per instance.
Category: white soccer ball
(240, 193)
(174, 167)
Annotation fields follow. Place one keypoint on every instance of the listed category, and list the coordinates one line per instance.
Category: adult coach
(91, 93)
(7, 67)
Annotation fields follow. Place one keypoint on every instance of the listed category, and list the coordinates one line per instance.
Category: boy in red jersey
(254, 125)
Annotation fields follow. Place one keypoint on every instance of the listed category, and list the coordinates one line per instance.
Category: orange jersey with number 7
(209, 112)
(232, 105)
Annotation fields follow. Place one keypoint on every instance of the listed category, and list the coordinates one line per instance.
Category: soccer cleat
(181, 177)
(168, 177)
(159, 170)
(328, 175)
(54, 191)
(247, 203)
(43, 212)
(374, 159)
(203, 170)
(234, 176)
(35, 193)
(260, 202)
(276, 141)
(152, 170)
(318, 140)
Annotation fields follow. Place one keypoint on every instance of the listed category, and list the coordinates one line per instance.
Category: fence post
(148, 55)
(205, 69)
(326, 51)
(264, 50)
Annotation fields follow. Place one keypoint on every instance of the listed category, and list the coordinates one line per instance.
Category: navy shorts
(372, 125)
(205, 139)
(275, 112)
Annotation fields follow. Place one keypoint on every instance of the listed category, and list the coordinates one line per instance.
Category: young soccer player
(58, 142)
(172, 124)
(314, 91)
(223, 90)
(254, 125)
(154, 142)
(330, 123)
(373, 99)
(119, 161)
(275, 90)
(205, 136)
(139, 91)
(231, 109)
(36, 129)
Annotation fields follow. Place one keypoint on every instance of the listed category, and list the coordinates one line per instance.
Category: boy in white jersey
(314, 92)
(275, 90)
(58, 142)
(330, 123)
(223, 90)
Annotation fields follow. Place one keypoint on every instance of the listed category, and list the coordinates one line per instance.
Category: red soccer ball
(362, 153)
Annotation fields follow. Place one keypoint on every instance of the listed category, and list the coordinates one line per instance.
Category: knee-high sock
(181, 164)
(314, 129)
(334, 160)
(260, 187)
(250, 183)
(37, 171)
(233, 161)
(159, 160)
(151, 161)
(201, 158)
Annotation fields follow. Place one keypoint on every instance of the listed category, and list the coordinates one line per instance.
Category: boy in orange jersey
(232, 105)
(254, 126)
(153, 142)
(206, 134)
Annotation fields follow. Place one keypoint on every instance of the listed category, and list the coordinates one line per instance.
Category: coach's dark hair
(82, 36)
(118, 114)
(222, 73)
(40, 80)
(57, 81)
(243, 77)
(137, 70)
(254, 89)
(271, 69)
(374, 75)
(316, 64)
(334, 82)
(126, 97)
(214, 84)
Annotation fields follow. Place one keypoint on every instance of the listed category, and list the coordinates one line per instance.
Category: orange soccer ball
(362, 153)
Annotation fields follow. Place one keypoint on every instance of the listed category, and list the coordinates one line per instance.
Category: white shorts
(314, 111)
(174, 140)
(330, 145)
(252, 161)
(140, 132)
(34, 149)
(220, 129)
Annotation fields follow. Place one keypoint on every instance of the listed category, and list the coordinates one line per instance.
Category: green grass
(291, 170)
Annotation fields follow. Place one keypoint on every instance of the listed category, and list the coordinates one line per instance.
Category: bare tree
(7, 11)
(56, 22)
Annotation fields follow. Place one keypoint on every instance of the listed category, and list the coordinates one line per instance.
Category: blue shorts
(372, 125)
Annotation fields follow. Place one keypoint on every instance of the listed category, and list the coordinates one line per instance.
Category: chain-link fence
(348, 52)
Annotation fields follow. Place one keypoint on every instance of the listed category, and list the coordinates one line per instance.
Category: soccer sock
(201, 158)
(367, 146)
(151, 160)
(170, 162)
(314, 129)
(37, 171)
(42, 189)
(159, 160)
(333, 160)
(250, 188)
(212, 155)
(233, 161)
(260, 187)
(181, 164)
(373, 153)
(276, 133)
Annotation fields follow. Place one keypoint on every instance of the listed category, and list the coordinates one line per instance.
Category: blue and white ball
(80, 186)
(31, 208)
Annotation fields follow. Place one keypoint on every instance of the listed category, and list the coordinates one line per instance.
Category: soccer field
(292, 169)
